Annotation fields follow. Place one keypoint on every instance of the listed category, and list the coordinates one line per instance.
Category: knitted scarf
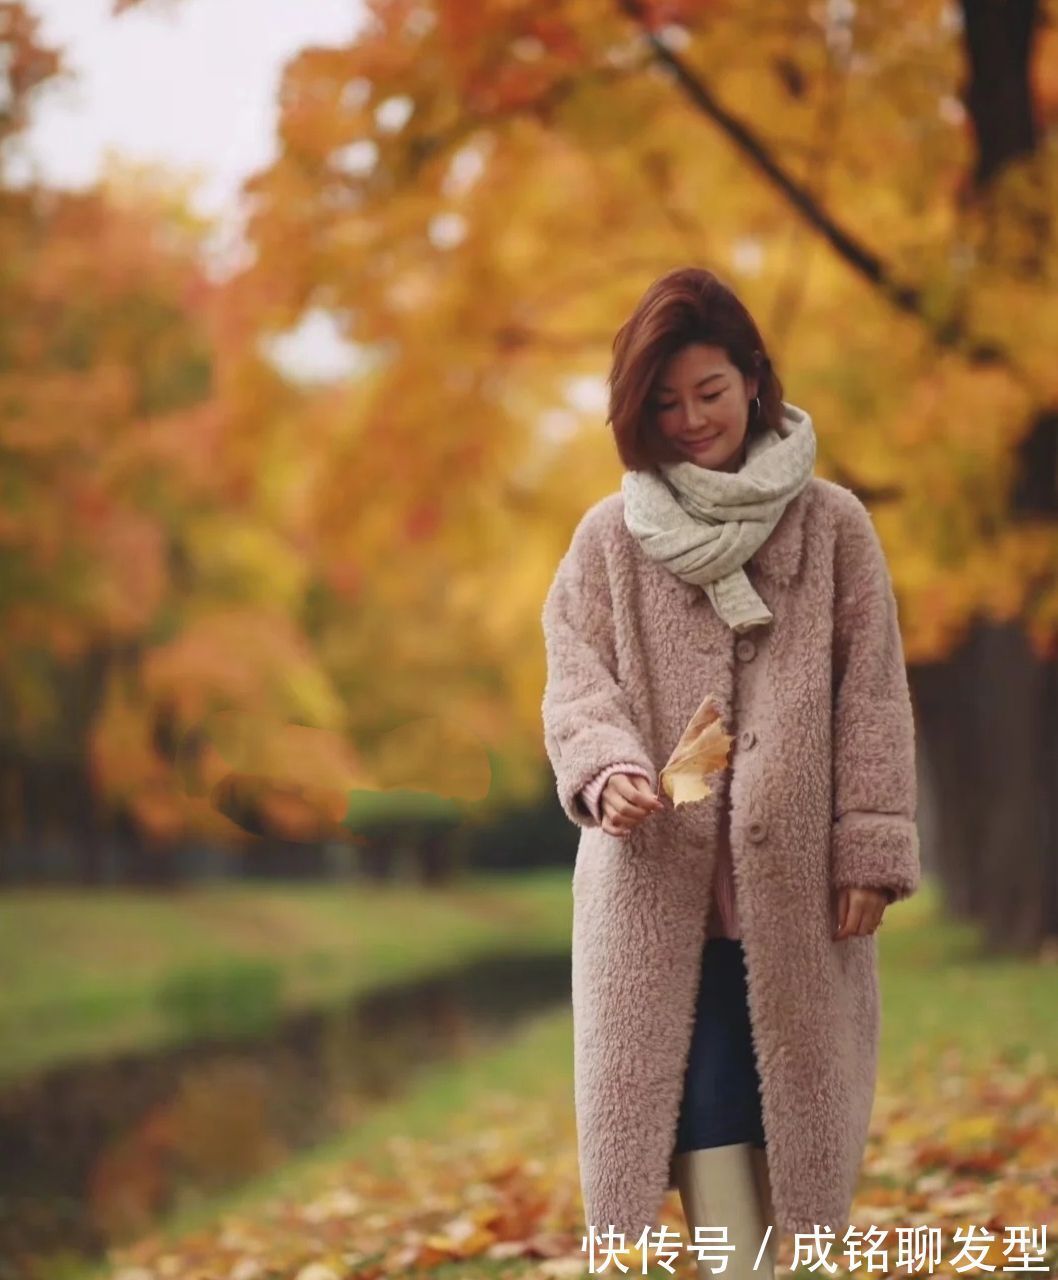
(704, 524)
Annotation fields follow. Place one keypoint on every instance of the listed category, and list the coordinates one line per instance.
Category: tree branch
(949, 332)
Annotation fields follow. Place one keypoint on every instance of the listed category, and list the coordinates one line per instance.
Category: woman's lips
(702, 439)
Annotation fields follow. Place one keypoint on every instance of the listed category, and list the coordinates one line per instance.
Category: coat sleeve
(586, 715)
(874, 837)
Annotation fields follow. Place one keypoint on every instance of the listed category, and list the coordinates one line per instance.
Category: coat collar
(779, 556)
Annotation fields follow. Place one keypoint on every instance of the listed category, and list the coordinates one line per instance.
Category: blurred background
(305, 317)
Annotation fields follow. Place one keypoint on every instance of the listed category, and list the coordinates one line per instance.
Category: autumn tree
(152, 582)
(479, 193)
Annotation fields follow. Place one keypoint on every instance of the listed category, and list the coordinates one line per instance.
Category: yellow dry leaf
(703, 748)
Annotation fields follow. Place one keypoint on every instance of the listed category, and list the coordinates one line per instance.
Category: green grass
(82, 972)
(939, 989)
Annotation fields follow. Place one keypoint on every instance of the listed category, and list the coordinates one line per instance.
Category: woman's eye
(665, 407)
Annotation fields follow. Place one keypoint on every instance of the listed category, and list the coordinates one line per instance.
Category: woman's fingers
(626, 800)
(842, 913)
(860, 912)
(635, 793)
(848, 915)
(853, 919)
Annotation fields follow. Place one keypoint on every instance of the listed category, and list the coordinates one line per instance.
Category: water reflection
(95, 1152)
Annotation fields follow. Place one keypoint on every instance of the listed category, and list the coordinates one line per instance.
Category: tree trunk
(988, 722)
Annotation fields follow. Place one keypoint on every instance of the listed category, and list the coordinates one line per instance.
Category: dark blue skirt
(721, 1088)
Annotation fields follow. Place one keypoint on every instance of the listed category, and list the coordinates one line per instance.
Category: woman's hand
(859, 911)
(625, 801)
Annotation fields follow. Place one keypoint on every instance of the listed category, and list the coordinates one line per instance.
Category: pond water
(94, 1153)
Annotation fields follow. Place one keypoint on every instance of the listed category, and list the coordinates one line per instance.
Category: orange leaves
(208, 726)
(509, 56)
(27, 64)
(957, 1144)
(946, 1150)
(463, 1237)
(105, 340)
(703, 748)
(504, 1190)
(423, 521)
(655, 15)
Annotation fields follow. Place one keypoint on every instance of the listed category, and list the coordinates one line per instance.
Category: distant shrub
(240, 998)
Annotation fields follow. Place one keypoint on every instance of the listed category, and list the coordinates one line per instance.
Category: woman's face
(701, 406)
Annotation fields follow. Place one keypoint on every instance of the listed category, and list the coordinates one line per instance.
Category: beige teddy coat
(822, 794)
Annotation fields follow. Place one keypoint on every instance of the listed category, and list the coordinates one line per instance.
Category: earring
(756, 401)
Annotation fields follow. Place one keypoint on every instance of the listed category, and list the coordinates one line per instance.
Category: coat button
(747, 738)
(757, 830)
(745, 649)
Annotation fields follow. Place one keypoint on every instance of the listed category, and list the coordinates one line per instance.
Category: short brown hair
(689, 304)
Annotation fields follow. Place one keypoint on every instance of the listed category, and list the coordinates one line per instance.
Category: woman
(725, 989)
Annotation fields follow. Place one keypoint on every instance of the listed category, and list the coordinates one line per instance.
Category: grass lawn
(81, 971)
(939, 991)
(491, 1138)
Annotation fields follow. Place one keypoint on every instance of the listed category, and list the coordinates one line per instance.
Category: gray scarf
(704, 524)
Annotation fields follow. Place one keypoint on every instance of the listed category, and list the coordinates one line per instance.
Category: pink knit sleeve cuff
(591, 792)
